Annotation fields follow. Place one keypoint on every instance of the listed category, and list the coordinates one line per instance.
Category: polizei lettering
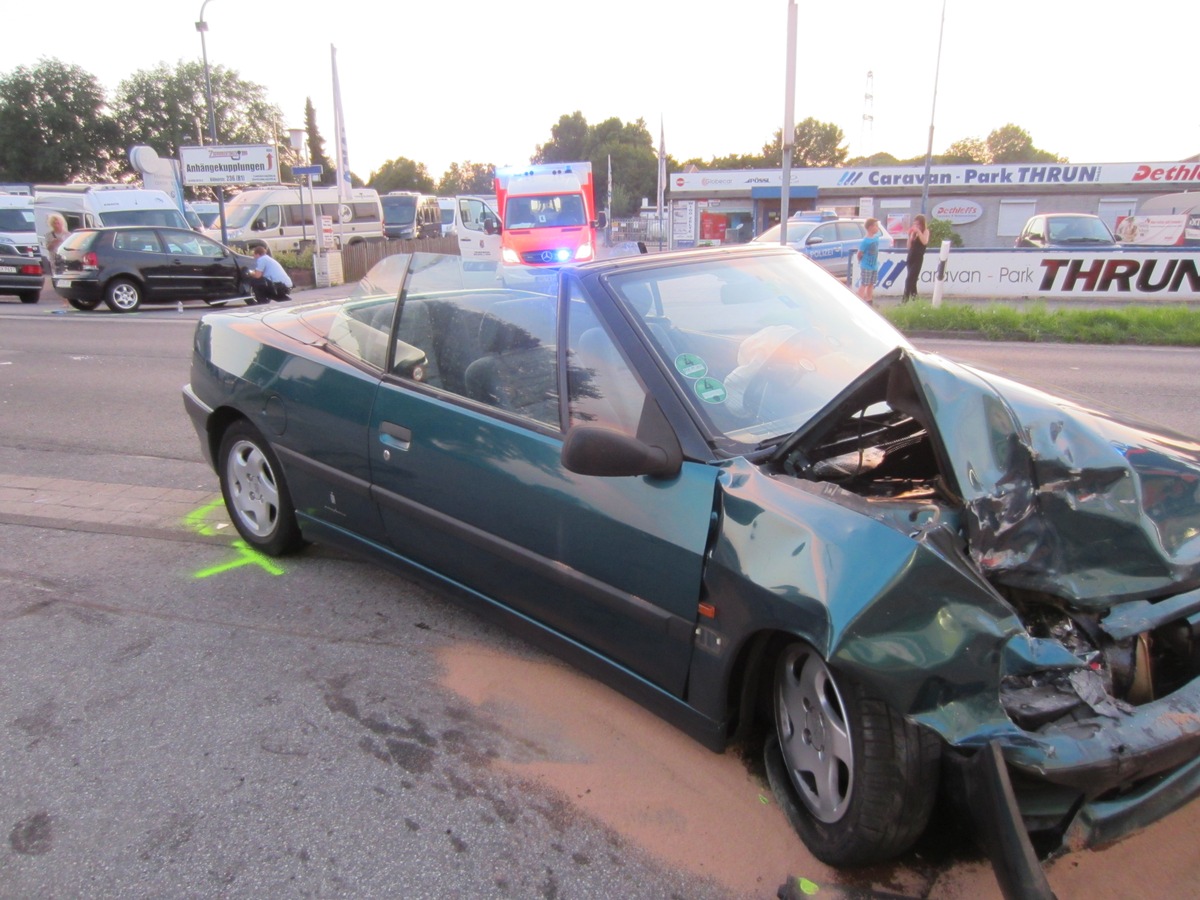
(1145, 276)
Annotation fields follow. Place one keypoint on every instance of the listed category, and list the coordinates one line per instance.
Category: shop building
(987, 205)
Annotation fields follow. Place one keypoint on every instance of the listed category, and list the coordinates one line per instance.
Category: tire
(256, 492)
(30, 296)
(855, 779)
(123, 295)
(84, 305)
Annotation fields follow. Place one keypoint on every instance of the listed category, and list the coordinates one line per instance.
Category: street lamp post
(929, 150)
(202, 27)
(296, 139)
(788, 134)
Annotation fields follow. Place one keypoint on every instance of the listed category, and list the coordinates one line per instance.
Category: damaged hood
(1077, 502)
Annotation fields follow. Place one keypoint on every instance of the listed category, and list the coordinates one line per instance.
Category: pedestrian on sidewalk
(918, 242)
(868, 258)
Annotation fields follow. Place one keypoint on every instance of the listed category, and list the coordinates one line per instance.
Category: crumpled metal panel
(1063, 499)
(900, 608)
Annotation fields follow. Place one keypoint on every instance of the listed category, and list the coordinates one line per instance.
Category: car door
(478, 232)
(822, 247)
(199, 267)
(217, 272)
(467, 473)
(141, 250)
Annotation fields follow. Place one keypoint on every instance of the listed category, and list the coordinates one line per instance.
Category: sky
(486, 80)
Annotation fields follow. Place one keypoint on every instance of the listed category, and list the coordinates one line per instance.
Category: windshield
(171, 218)
(758, 344)
(239, 215)
(545, 211)
(1078, 230)
(13, 220)
(399, 210)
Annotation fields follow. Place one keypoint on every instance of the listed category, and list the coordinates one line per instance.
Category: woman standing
(918, 241)
(53, 238)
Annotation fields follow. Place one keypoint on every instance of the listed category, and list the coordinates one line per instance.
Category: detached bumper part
(998, 827)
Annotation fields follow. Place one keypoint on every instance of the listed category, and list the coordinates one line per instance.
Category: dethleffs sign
(238, 164)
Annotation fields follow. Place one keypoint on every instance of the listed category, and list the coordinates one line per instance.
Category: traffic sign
(306, 170)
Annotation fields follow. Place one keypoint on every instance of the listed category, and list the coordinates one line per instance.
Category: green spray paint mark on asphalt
(807, 887)
(197, 520)
(247, 556)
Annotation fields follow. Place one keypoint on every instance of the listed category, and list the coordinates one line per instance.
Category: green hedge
(1174, 325)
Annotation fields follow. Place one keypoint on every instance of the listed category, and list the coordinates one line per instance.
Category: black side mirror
(601, 220)
(606, 452)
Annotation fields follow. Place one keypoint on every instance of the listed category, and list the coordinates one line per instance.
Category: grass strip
(1174, 325)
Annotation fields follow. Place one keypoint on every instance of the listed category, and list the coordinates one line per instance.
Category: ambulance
(547, 213)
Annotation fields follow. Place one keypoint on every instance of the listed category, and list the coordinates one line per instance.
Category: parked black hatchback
(129, 265)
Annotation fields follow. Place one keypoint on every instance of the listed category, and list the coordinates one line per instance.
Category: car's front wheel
(123, 295)
(855, 779)
(256, 492)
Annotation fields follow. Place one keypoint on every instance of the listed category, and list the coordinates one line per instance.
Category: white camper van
(17, 225)
(98, 205)
(278, 219)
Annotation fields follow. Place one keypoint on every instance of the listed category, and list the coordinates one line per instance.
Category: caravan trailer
(281, 217)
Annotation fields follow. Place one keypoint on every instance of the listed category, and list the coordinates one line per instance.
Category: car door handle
(397, 436)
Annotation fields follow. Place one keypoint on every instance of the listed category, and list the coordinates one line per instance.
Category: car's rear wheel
(123, 295)
(84, 305)
(855, 779)
(256, 492)
(30, 296)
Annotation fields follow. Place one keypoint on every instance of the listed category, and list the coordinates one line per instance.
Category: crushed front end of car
(1020, 573)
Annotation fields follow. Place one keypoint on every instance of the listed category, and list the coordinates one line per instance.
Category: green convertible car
(720, 482)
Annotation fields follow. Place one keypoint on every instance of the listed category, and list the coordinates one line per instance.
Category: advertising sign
(957, 212)
(327, 231)
(1162, 231)
(1113, 274)
(683, 223)
(240, 164)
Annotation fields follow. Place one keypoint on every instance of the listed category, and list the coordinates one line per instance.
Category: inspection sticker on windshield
(710, 390)
(690, 366)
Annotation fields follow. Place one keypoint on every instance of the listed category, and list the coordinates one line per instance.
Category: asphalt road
(181, 719)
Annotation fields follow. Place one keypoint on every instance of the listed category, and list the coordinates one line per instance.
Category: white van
(17, 224)
(278, 219)
(99, 205)
(446, 205)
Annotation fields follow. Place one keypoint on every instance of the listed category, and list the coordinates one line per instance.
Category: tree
(568, 141)
(55, 126)
(816, 144)
(166, 108)
(874, 160)
(467, 178)
(401, 174)
(967, 151)
(628, 144)
(1010, 144)
(316, 145)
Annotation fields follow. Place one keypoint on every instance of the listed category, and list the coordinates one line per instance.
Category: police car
(826, 239)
